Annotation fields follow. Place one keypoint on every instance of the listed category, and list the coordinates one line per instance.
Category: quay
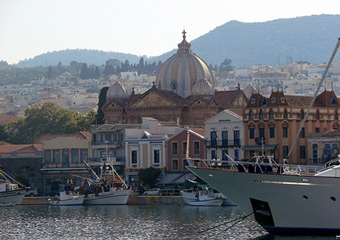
(134, 199)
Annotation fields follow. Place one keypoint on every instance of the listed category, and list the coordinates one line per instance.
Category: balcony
(104, 144)
(224, 143)
(120, 161)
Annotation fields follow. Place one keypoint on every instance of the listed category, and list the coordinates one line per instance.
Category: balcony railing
(104, 143)
(224, 143)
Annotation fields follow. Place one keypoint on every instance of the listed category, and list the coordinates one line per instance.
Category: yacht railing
(255, 167)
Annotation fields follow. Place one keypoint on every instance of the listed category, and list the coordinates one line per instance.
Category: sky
(141, 27)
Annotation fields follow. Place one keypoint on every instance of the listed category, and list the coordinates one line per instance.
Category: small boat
(11, 191)
(67, 198)
(205, 197)
(107, 189)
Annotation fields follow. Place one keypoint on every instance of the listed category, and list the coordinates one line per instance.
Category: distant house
(4, 119)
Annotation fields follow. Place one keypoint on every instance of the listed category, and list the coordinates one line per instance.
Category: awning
(259, 147)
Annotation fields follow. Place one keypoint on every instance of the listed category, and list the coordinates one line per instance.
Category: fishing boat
(67, 198)
(11, 191)
(202, 197)
(285, 199)
(107, 189)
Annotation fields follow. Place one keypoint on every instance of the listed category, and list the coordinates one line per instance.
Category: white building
(225, 136)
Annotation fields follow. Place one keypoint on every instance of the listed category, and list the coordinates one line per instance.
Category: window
(251, 115)
(213, 138)
(184, 150)
(261, 132)
(336, 116)
(173, 86)
(302, 133)
(236, 155)
(272, 132)
(47, 156)
(252, 101)
(315, 153)
(332, 101)
(285, 114)
(74, 156)
(285, 132)
(302, 152)
(213, 154)
(261, 115)
(224, 154)
(83, 154)
(134, 157)
(271, 114)
(65, 157)
(56, 156)
(174, 164)
(224, 138)
(317, 130)
(237, 137)
(252, 133)
(174, 148)
(282, 100)
(302, 115)
(94, 137)
(264, 102)
(156, 156)
(273, 100)
(285, 151)
(317, 116)
(196, 147)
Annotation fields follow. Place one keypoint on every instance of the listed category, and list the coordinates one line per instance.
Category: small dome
(117, 90)
(183, 70)
(202, 87)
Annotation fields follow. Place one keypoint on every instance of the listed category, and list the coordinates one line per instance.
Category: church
(183, 94)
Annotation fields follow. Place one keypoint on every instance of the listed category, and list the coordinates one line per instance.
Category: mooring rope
(240, 219)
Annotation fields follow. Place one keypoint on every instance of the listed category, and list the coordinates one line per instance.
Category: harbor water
(130, 222)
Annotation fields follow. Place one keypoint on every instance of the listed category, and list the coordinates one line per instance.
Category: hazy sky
(142, 27)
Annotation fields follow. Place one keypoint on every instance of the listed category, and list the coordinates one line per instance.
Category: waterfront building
(183, 94)
(177, 147)
(272, 123)
(24, 160)
(107, 143)
(145, 147)
(225, 135)
(64, 154)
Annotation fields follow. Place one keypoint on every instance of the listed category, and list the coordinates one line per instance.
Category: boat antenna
(314, 97)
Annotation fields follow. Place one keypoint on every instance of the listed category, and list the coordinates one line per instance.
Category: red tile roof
(80, 135)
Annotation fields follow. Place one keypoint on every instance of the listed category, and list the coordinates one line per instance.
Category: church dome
(182, 72)
(117, 90)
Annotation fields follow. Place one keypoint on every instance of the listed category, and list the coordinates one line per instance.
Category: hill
(95, 57)
(310, 38)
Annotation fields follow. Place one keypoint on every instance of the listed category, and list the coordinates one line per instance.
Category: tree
(84, 72)
(47, 119)
(50, 74)
(101, 102)
(149, 176)
(225, 66)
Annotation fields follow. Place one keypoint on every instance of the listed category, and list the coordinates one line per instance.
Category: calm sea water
(130, 222)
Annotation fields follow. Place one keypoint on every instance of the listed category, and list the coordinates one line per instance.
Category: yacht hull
(282, 204)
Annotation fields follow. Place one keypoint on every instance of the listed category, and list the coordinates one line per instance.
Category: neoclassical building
(183, 94)
(275, 121)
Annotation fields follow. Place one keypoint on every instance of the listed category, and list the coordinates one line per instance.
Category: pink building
(176, 147)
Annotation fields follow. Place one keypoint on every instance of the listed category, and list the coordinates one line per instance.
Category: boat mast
(314, 97)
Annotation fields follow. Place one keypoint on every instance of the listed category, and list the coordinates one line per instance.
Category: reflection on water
(129, 222)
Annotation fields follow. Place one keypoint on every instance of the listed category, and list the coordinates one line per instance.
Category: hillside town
(186, 110)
